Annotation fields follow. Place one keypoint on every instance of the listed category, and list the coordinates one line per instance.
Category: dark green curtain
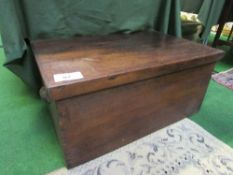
(26, 20)
(208, 12)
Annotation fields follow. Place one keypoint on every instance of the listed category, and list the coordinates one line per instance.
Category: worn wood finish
(114, 60)
(132, 86)
(97, 123)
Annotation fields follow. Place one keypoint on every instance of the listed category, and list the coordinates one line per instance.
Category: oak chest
(105, 92)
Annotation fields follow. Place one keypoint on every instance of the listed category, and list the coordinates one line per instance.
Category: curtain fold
(208, 12)
(22, 20)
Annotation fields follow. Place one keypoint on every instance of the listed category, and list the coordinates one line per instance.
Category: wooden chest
(105, 92)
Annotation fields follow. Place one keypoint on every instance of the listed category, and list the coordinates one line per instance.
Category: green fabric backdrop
(32, 19)
(25, 20)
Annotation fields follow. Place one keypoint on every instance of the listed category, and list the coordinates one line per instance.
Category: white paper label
(67, 76)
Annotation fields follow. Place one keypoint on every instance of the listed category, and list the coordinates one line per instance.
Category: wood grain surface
(109, 61)
(132, 86)
(94, 124)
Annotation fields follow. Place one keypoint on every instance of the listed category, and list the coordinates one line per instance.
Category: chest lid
(81, 65)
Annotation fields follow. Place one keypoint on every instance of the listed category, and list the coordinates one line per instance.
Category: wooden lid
(76, 66)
